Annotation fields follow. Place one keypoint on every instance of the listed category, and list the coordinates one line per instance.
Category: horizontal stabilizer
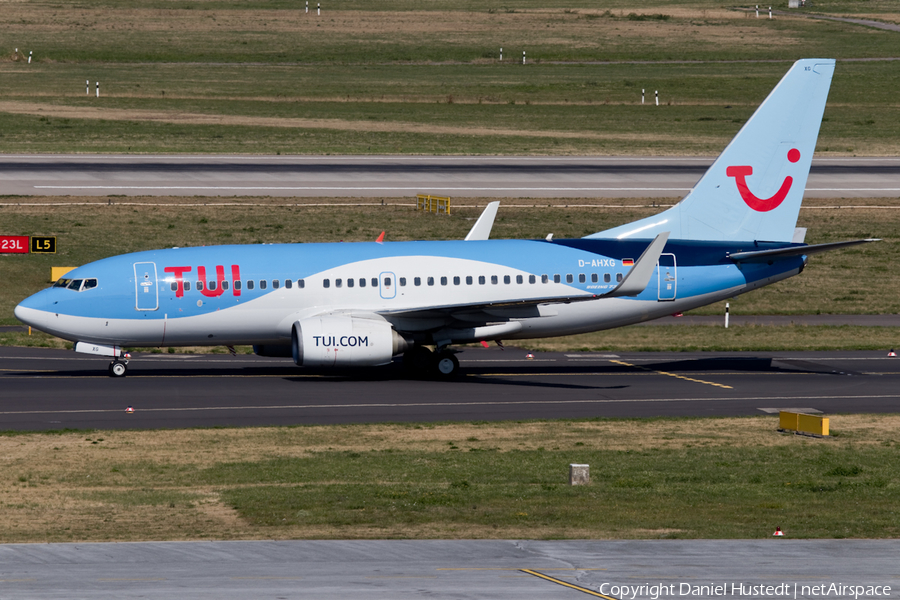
(765, 255)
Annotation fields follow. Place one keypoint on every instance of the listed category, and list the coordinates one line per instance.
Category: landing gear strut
(118, 368)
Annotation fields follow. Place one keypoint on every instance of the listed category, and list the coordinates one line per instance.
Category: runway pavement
(397, 176)
(473, 569)
(54, 389)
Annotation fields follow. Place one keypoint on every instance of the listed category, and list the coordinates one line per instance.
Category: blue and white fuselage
(363, 303)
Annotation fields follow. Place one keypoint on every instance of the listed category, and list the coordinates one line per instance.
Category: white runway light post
(87, 87)
(501, 54)
(657, 97)
(98, 89)
(523, 57)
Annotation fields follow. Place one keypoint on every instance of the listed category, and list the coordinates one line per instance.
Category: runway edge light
(778, 532)
(892, 353)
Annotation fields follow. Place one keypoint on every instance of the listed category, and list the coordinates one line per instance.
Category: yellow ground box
(803, 423)
(57, 272)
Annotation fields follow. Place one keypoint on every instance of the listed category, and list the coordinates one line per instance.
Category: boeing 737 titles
(364, 303)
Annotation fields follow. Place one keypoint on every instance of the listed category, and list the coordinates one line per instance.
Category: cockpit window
(78, 285)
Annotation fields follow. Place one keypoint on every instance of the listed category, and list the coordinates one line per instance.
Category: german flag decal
(627, 262)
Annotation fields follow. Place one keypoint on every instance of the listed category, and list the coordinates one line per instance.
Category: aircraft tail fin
(753, 191)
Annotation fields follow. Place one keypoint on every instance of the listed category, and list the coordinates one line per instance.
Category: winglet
(481, 230)
(639, 276)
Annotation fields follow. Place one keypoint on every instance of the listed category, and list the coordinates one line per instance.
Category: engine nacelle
(344, 341)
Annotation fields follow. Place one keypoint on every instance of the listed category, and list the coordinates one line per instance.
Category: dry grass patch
(157, 485)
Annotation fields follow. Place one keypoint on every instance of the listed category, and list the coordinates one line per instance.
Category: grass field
(671, 478)
(425, 77)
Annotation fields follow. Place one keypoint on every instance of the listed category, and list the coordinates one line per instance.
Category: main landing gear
(441, 364)
(118, 368)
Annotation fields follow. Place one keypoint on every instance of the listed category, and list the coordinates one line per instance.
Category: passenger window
(519, 279)
(481, 280)
(594, 278)
(288, 283)
(374, 282)
(494, 279)
(557, 278)
(338, 283)
(402, 281)
(350, 282)
(362, 281)
(250, 284)
(545, 279)
(606, 278)
(581, 278)
(456, 281)
(187, 286)
(431, 281)
(506, 279)
(262, 284)
(417, 281)
(237, 284)
(468, 280)
(532, 279)
(211, 285)
(199, 286)
(387, 282)
(224, 285)
(619, 277)
(174, 286)
(443, 281)
(326, 283)
(569, 278)
(275, 284)
(301, 283)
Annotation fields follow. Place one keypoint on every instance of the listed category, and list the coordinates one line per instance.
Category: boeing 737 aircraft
(364, 303)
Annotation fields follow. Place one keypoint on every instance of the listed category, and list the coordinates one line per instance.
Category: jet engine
(344, 341)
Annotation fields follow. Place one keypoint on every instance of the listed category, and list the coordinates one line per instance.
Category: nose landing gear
(118, 368)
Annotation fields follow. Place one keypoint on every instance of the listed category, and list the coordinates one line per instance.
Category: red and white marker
(778, 532)
(529, 356)
(892, 353)
(129, 410)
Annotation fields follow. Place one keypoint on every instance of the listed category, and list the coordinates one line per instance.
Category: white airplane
(364, 303)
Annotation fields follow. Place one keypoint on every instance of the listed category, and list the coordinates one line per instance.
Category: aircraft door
(387, 284)
(146, 288)
(667, 277)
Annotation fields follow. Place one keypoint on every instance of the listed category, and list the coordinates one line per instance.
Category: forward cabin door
(146, 288)
(667, 277)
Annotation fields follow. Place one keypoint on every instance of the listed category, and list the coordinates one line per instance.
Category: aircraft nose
(31, 309)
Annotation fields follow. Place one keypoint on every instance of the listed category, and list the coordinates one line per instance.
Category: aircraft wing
(633, 284)
(766, 255)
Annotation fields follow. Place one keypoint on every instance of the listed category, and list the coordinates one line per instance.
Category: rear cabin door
(146, 288)
(667, 277)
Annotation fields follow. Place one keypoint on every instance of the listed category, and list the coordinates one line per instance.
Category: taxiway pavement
(780, 569)
(43, 389)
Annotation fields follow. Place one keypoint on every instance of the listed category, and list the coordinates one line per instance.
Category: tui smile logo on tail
(740, 174)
